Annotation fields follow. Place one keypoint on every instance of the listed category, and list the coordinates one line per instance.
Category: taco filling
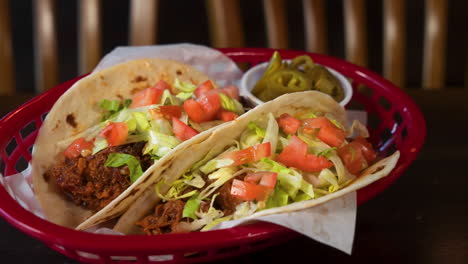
(275, 162)
(104, 160)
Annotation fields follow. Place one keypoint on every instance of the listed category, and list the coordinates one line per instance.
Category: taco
(112, 131)
(288, 154)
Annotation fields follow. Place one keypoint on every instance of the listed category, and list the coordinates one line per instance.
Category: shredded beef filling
(89, 183)
(165, 219)
(168, 215)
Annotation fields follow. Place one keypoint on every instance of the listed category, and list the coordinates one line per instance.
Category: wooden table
(421, 218)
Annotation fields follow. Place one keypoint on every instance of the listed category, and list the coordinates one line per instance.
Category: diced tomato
(170, 111)
(162, 85)
(295, 155)
(264, 178)
(250, 154)
(357, 155)
(367, 149)
(181, 130)
(210, 103)
(268, 179)
(231, 91)
(294, 151)
(325, 130)
(75, 148)
(289, 124)
(248, 191)
(203, 88)
(115, 133)
(227, 116)
(352, 157)
(313, 163)
(149, 96)
(195, 111)
(253, 177)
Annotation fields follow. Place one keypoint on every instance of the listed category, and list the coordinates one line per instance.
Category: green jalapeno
(302, 63)
(301, 74)
(325, 82)
(274, 64)
(285, 81)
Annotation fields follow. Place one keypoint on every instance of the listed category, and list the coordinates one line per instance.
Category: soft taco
(294, 152)
(107, 137)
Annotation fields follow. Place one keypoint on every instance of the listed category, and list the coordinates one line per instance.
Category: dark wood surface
(421, 218)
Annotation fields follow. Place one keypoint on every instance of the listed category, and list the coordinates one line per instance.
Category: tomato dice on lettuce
(248, 155)
(181, 130)
(76, 147)
(248, 191)
(325, 130)
(295, 155)
(264, 178)
(289, 124)
(357, 155)
(203, 88)
(115, 133)
(204, 108)
(150, 96)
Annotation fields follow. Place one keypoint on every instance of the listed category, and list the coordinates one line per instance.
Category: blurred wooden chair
(355, 28)
(226, 30)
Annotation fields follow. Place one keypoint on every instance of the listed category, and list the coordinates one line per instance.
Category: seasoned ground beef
(89, 183)
(165, 219)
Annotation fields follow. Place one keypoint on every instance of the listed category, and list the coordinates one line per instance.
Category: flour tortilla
(223, 136)
(79, 105)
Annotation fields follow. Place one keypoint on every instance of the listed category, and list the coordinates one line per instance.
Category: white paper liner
(332, 223)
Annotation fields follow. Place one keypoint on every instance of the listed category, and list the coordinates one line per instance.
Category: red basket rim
(54, 234)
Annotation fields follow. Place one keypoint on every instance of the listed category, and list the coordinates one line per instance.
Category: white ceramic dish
(250, 78)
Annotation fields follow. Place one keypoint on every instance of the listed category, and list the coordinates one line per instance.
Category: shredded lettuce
(99, 144)
(271, 134)
(327, 153)
(290, 182)
(215, 164)
(222, 176)
(258, 130)
(112, 107)
(302, 197)
(160, 144)
(194, 180)
(215, 222)
(249, 138)
(206, 219)
(184, 96)
(245, 209)
(282, 143)
(278, 198)
(141, 121)
(168, 99)
(191, 206)
(131, 124)
(328, 176)
(184, 86)
(231, 104)
(307, 188)
(120, 159)
(175, 191)
(268, 164)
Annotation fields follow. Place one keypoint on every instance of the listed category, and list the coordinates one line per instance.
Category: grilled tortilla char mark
(89, 183)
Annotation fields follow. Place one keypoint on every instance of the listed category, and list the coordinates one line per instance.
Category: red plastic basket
(395, 123)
